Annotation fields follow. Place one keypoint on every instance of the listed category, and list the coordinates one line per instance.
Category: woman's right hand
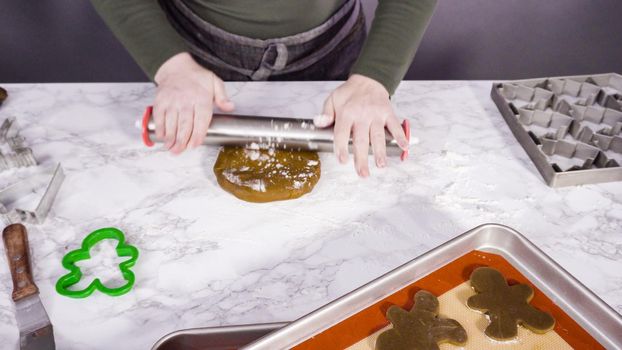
(184, 102)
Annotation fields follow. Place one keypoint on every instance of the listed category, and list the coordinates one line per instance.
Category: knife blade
(35, 329)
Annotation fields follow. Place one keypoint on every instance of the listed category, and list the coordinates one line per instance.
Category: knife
(35, 329)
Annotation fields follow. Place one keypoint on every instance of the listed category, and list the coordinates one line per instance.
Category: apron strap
(317, 55)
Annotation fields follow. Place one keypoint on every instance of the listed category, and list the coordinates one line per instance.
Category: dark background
(65, 41)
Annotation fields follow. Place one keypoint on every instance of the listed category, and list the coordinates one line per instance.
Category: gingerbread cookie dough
(266, 175)
(506, 306)
(420, 328)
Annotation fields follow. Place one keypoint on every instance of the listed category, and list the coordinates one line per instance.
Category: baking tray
(571, 127)
(602, 322)
(579, 303)
(215, 338)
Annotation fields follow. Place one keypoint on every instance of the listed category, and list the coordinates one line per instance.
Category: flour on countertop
(254, 184)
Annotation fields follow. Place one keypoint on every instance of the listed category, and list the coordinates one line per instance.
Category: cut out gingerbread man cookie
(506, 306)
(420, 328)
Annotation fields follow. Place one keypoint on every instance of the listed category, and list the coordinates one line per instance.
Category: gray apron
(326, 52)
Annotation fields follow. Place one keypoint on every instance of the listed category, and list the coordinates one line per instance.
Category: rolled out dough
(266, 175)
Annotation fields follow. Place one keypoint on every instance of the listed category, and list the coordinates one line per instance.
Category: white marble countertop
(208, 259)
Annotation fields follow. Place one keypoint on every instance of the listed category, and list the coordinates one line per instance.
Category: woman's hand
(360, 107)
(184, 102)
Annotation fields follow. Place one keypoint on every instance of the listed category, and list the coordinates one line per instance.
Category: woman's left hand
(361, 107)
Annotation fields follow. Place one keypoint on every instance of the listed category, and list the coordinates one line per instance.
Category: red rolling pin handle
(406, 127)
(149, 143)
(145, 126)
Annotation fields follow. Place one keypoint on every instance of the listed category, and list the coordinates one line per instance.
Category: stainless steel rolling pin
(283, 133)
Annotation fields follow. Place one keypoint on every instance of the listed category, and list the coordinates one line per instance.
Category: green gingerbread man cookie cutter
(74, 276)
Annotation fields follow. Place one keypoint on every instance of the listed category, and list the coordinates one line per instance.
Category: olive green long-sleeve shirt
(397, 29)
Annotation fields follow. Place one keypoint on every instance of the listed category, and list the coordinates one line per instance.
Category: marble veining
(209, 259)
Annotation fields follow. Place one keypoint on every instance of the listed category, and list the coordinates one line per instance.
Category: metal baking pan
(597, 318)
(590, 312)
(215, 338)
(571, 127)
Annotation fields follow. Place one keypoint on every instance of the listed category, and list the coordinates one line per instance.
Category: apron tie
(274, 59)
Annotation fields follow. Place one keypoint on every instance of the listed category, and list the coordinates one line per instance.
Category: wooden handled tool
(18, 254)
(35, 329)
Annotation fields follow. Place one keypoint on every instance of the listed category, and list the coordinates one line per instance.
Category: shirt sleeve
(393, 39)
(144, 30)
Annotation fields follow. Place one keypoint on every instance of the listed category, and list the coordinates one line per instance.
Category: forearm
(395, 35)
(142, 27)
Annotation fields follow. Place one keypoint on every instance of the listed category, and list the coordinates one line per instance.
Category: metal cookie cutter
(21, 156)
(583, 113)
(51, 178)
(589, 156)
(69, 262)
